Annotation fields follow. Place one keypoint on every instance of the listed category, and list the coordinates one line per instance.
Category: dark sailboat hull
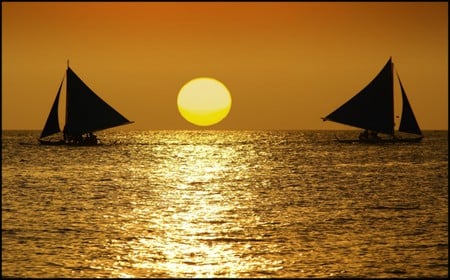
(381, 140)
(62, 142)
(52, 143)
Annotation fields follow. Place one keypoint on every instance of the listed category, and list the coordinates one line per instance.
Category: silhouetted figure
(90, 139)
(364, 135)
(374, 135)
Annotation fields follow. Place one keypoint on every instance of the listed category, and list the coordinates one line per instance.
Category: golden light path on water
(195, 229)
(159, 204)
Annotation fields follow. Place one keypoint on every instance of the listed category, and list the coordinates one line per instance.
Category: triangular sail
(408, 122)
(85, 111)
(52, 123)
(373, 107)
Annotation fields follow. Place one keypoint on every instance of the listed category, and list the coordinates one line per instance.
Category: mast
(67, 97)
(393, 112)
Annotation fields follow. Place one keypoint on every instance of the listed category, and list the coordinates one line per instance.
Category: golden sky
(286, 65)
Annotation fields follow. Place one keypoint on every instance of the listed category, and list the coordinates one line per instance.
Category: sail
(408, 122)
(86, 111)
(52, 123)
(373, 107)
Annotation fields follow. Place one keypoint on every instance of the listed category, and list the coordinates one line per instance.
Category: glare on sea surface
(195, 231)
(225, 204)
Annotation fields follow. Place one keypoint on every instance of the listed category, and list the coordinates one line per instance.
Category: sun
(204, 101)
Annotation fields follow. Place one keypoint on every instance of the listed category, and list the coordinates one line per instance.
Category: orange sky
(286, 64)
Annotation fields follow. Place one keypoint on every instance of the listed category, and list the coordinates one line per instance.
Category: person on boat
(92, 138)
(66, 136)
(374, 135)
(69, 139)
(78, 139)
(364, 135)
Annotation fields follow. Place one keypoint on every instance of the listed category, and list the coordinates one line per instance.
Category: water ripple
(224, 204)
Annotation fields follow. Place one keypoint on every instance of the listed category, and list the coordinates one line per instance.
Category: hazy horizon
(286, 65)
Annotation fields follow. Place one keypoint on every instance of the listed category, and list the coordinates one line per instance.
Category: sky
(286, 65)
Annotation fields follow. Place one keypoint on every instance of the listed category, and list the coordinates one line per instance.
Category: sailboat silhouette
(372, 109)
(86, 113)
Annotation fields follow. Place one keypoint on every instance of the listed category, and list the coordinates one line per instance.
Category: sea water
(224, 204)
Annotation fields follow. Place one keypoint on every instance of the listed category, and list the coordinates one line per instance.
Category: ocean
(224, 204)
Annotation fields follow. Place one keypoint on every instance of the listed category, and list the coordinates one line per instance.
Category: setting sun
(204, 101)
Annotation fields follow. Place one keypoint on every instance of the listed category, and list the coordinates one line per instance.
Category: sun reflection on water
(192, 229)
(182, 204)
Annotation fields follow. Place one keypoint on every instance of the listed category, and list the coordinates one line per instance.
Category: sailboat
(86, 113)
(372, 109)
